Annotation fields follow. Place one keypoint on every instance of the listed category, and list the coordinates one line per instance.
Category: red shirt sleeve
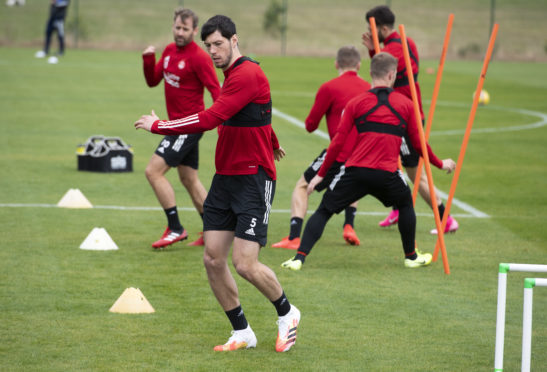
(208, 77)
(153, 72)
(275, 141)
(337, 143)
(320, 106)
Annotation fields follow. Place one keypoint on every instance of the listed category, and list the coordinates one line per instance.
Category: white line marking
(466, 207)
(188, 209)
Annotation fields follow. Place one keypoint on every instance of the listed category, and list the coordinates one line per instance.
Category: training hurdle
(529, 284)
(504, 268)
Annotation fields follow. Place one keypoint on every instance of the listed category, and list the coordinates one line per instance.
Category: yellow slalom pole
(433, 103)
(467, 132)
(423, 145)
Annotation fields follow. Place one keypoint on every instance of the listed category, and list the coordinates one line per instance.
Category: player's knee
(211, 262)
(245, 268)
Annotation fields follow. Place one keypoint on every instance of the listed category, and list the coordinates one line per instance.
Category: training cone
(98, 240)
(74, 199)
(132, 301)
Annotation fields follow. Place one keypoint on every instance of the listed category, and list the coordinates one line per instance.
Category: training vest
(402, 79)
(253, 114)
(364, 125)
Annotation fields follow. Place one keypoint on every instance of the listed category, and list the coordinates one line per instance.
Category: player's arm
(237, 93)
(208, 77)
(320, 106)
(153, 72)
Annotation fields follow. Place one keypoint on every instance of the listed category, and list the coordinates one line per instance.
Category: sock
(296, 227)
(313, 231)
(173, 219)
(441, 210)
(282, 305)
(237, 318)
(407, 229)
(350, 216)
(201, 215)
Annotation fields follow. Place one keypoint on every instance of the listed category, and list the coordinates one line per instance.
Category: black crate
(105, 154)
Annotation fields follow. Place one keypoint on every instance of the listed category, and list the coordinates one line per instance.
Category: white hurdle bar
(529, 284)
(504, 268)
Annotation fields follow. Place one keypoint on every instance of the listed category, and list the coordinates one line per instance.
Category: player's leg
(350, 236)
(423, 189)
(155, 174)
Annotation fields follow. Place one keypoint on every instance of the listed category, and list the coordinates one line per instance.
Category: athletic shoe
(287, 326)
(423, 259)
(292, 264)
(451, 226)
(391, 218)
(198, 242)
(169, 237)
(242, 339)
(287, 244)
(53, 60)
(350, 236)
(40, 54)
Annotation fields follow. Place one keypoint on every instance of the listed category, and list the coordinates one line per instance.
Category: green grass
(361, 309)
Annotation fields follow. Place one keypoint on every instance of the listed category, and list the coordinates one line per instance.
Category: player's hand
(314, 182)
(145, 122)
(449, 165)
(367, 40)
(149, 50)
(279, 153)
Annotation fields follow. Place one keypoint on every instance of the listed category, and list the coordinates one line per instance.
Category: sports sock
(350, 216)
(237, 318)
(173, 219)
(282, 305)
(407, 229)
(296, 227)
(440, 207)
(313, 231)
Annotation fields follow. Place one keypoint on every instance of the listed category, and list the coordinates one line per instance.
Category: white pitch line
(466, 207)
(187, 209)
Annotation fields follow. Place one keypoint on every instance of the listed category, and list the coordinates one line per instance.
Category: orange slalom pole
(423, 145)
(374, 32)
(468, 129)
(433, 103)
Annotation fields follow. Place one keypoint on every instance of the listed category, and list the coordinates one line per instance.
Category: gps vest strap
(253, 114)
(363, 125)
(402, 79)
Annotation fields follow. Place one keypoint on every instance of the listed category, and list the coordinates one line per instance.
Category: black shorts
(409, 156)
(241, 204)
(388, 187)
(180, 150)
(314, 168)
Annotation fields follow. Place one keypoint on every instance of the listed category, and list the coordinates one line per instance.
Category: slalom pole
(433, 103)
(467, 134)
(374, 32)
(376, 42)
(423, 145)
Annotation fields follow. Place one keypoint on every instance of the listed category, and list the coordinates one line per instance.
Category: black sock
(237, 318)
(440, 207)
(296, 227)
(282, 305)
(350, 216)
(407, 229)
(173, 219)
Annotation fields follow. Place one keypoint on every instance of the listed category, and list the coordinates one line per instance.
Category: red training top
(330, 100)
(393, 46)
(376, 149)
(186, 71)
(241, 149)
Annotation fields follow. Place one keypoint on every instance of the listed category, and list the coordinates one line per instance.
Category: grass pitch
(361, 309)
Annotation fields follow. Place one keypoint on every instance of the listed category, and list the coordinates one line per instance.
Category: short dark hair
(186, 13)
(348, 56)
(381, 64)
(382, 16)
(223, 24)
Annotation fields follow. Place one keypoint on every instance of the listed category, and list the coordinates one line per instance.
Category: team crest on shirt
(182, 64)
(166, 62)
